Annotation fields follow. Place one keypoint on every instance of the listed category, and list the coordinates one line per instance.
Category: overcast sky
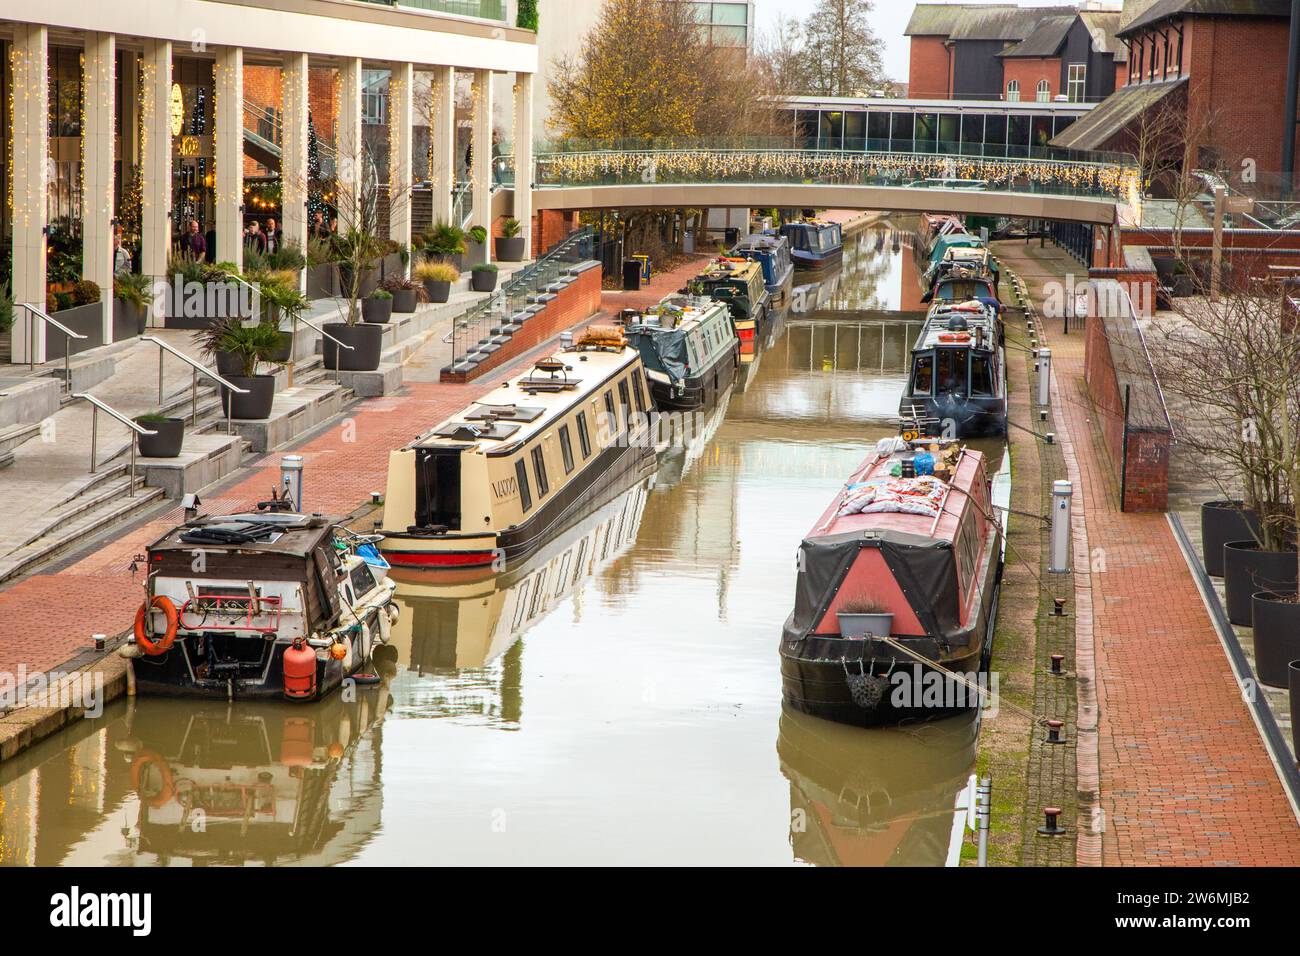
(890, 18)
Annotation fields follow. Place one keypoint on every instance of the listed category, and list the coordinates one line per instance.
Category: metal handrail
(96, 406)
(67, 347)
(196, 368)
(338, 366)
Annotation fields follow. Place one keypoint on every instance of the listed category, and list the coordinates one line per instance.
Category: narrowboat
(275, 605)
(269, 784)
(739, 284)
(897, 589)
(957, 383)
(690, 351)
(773, 254)
(815, 244)
(963, 262)
(498, 479)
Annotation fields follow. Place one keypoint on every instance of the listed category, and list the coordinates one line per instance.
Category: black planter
(437, 291)
(284, 353)
(510, 250)
(483, 280)
(366, 341)
(377, 310)
(1293, 685)
(322, 281)
(405, 300)
(1276, 635)
(1248, 569)
(128, 320)
(369, 280)
(229, 363)
(1221, 522)
(165, 444)
(475, 252)
(255, 404)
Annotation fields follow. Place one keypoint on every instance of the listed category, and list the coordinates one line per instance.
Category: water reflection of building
(879, 274)
(167, 782)
(462, 629)
(874, 797)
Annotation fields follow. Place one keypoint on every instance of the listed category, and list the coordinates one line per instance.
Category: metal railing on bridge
(796, 167)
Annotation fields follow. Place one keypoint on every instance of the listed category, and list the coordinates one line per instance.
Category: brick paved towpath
(1185, 777)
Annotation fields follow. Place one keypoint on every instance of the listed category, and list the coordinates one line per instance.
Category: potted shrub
(510, 244)
(860, 616)
(132, 299)
(322, 277)
(356, 252)
(253, 345)
(167, 442)
(1222, 521)
(483, 277)
(378, 306)
(282, 304)
(407, 293)
(445, 242)
(476, 244)
(437, 277)
(1276, 617)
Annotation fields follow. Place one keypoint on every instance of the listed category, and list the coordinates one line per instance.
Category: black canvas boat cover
(668, 344)
(923, 567)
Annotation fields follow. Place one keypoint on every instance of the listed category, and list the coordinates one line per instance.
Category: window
(521, 476)
(623, 397)
(362, 579)
(981, 374)
(1044, 92)
(539, 469)
(584, 439)
(1013, 91)
(923, 375)
(566, 449)
(638, 386)
(1076, 88)
(609, 410)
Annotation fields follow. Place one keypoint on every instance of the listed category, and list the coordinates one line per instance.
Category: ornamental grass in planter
(407, 293)
(239, 351)
(167, 440)
(863, 616)
(483, 277)
(510, 244)
(377, 307)
(445, 242)
(437, 278)
(132, 300)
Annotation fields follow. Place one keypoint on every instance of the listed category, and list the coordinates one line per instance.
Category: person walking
(255, 238)
(274, 236)
(121, 258)
(193, 244)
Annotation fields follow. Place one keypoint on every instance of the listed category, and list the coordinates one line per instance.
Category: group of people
(266, 240)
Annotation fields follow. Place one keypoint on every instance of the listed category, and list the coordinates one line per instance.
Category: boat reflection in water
(881, 797)
(462, 628)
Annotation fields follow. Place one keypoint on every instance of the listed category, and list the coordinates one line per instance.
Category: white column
(401, 117)
(442, 136)
(229, 150)
(156, 158)
(348, 133)
(97, 154)
(482, 172)
(524, 158)
(31, 96)
(293, 149)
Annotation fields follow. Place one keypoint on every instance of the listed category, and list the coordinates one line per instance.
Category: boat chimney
(566, 340)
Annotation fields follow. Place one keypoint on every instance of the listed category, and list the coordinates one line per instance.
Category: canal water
(615, 700)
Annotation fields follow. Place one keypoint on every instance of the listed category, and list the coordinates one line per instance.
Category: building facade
(135, 118)
(1006, 52)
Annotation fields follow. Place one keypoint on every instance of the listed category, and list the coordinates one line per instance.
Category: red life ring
(151, 647)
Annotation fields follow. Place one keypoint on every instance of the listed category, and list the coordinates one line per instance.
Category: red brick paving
(1185, 777)
(660, 285)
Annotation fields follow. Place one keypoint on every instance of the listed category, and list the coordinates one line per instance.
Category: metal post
(130, 478)
(291, 479)
(1292, 95)
(1062, 493)
(1123, 453)
(161, 355)
(194, 394)
(985, 797)
(1216, 254)
(94, 435)
(1044, 377)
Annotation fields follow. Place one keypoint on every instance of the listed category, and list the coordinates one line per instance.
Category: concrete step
(294, 412)
(74, 522)
(205, 457)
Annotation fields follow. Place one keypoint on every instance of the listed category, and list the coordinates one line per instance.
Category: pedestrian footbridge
(1052, 184)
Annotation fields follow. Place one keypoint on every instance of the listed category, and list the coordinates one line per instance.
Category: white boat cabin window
(539, 469)
(623, 398)
(362, 580)
(584, 438)
(981, 374)
(609, 410)
(923, 375)
(566, 449)
(521, 477)
(638, 383)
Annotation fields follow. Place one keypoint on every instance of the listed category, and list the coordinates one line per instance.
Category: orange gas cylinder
(299, 671)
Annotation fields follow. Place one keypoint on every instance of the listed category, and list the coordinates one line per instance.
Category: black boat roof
(272, 532)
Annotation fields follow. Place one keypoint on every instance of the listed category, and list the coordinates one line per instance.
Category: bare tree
(779, 53)
(843, 51)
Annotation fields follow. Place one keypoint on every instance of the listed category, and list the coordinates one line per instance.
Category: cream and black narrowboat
(494, 482)
(689, 349)
(738, 283)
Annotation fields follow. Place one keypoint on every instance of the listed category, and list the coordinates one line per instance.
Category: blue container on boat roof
(924, 463)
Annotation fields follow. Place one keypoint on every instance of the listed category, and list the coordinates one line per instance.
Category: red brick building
(1008, 52)
(1189, 57)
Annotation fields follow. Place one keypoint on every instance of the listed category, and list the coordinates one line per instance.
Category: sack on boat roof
(914, 496)
(603, 335)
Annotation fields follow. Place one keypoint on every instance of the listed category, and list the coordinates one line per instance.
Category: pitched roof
(1045, 39)
(980, 21)
(1164, 9)
(1096, 128)
(1104, 26)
